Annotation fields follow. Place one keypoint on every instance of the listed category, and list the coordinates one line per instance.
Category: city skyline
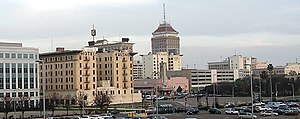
(267, 29)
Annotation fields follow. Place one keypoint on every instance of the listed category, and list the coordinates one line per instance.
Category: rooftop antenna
(235, 52)
(164, 9)
(93, 32)
(165, 23)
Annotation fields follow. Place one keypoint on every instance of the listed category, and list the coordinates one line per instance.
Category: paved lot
(206, 115)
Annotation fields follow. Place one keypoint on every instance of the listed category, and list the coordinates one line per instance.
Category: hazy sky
(209, 29)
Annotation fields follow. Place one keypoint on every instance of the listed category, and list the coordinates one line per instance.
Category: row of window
(18, 55)
(19, 94)
(58, 80)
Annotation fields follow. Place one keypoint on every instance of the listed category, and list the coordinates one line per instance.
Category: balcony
(88, 74)
(125, 81)
(124, 74)
(124, 67)
(87, 88)
(125, 87)
(86, 67)
(124, 60)
(86, 59)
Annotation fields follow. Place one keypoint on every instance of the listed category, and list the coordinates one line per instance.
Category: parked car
(268, 113)
(231, 111)
(214, 111)
(229, 105)
(179, 109)
(85, 117)
(280, 111)
(193, 110)
(292, 104)
(291, 112)
(264, 108)
(246, 115)
(94, 117)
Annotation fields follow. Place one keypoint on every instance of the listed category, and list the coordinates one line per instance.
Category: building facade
(19, 74)
(137, 69)
(165, 39)
(199, 79)
(153, 64)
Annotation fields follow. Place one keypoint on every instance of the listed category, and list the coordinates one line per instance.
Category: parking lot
(206, 115)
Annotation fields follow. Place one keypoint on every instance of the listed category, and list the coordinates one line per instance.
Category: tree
(24, 100)
(102, 100)
(67, 103)
(80, 101)
(179, 89)
(7, 105)
(54, 101)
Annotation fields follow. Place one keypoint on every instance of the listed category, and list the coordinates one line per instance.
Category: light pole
(15, 103)
(259, 92)
(43, 88)
(276, 88)
(251, 84)
(270, 68)
(214, 89)
(293, 90)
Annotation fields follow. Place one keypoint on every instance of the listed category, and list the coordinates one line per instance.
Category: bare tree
(68, 99)
(7, 105)
(54, 101)
(80, 101)
(24, 104)
(102, 100)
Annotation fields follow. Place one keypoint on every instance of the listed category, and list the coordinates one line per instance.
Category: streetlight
(251, 84)
(214, 89)
(44, 100)
(259, 92)
(293, 90)
(270, 68)
(276, 88)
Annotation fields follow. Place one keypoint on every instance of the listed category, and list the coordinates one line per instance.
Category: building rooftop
(164, 28)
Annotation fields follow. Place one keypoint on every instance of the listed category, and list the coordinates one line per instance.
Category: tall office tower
(165, 39)
(19, 75)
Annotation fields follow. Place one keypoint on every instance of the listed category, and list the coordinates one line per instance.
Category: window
(31, 56)
(25, 56)
(13, 55)
(1, 55)
(7, 55)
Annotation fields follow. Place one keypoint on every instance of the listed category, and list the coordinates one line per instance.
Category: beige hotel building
(101, 67)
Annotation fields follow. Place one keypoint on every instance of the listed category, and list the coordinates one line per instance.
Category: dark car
(280, 111)
(193, 110)
(180, 109)
(214, 111)
(291, 112)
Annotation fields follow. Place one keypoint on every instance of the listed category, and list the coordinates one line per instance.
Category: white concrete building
(237, 62)
(152, 64)
(19, 73)
(137, 69)
(201, 78)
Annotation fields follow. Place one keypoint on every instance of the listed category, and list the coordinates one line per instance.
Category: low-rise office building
(19, 74)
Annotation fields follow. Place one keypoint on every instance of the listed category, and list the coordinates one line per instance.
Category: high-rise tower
(165, 38)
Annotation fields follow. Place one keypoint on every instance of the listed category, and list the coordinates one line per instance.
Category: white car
(231, 111)
(247, 115)
(268, 113)
(95, 117)
(84, 117)
(264, 108)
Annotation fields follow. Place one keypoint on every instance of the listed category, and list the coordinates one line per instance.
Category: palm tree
(270, 68)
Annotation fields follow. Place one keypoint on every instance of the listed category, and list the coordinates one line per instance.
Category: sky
(209, 30)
